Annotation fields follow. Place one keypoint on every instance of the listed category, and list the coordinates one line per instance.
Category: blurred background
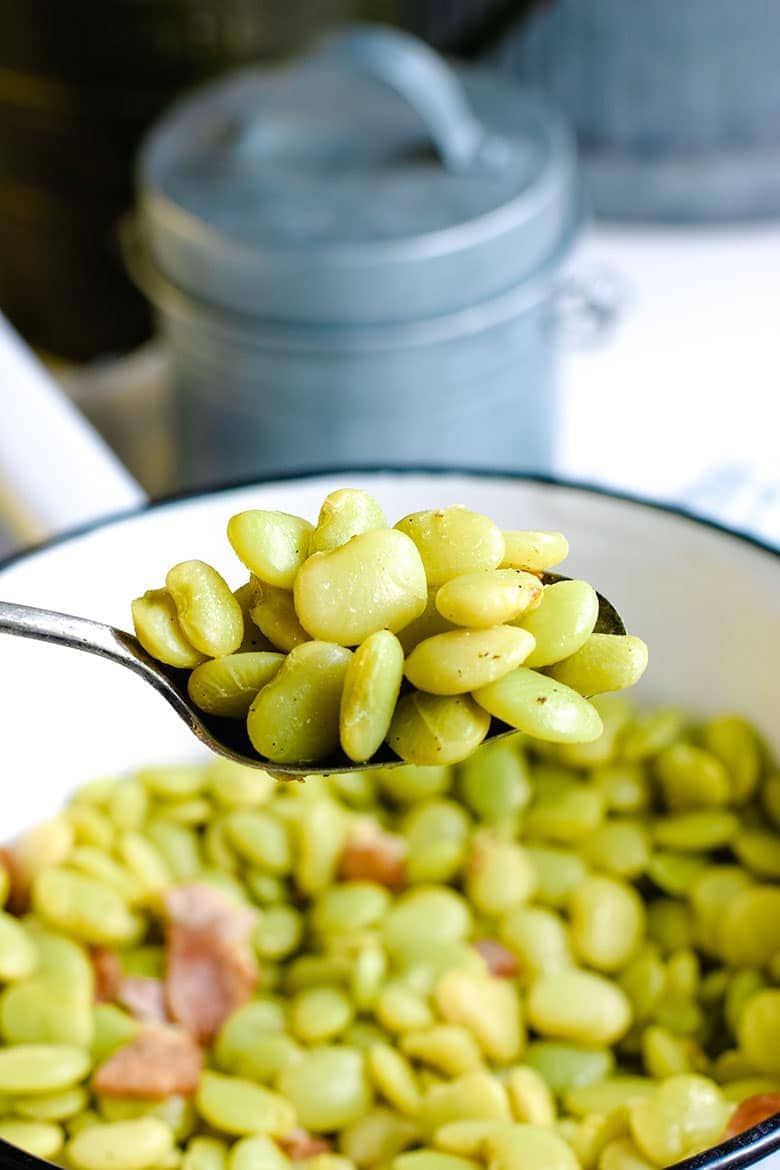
(543, 235)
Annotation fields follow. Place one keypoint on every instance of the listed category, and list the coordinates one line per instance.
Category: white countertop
(681, 402)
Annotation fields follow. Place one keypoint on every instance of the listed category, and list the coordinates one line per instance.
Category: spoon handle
(45, 625)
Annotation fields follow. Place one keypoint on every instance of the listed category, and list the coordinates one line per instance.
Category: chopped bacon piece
(18, 899)
(157, 1062)
(108, 973)
(751, 1111)
(375, 856)
(143, 997)
(210, 967)
(500, 961)
(198, 906)
(299, 1144)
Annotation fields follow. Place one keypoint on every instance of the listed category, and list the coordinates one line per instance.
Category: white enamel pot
(706, 601)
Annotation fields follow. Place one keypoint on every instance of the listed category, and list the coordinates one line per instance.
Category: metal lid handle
(422, 78)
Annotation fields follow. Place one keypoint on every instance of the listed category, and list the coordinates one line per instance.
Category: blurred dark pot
(163, 42)
(79, 84)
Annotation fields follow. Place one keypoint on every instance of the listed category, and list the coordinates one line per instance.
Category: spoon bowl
(225, 737)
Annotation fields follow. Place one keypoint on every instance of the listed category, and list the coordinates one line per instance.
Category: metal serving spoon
(226, 737)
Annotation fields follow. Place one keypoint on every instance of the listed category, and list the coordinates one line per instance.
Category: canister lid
(368, 182)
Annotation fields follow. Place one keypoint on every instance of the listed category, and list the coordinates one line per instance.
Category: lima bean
(426, 1159)
(606, 662)
(228, 685)
(488, 598)
(437, 729)
(488, 1008)
(40, 1138)
(258, 1152)
(41, 1068)
(375, 581)
(529, 1147)
(614, 1092)
(394, 1078)
(371, 686)
(464, 660)
(568, 1066)
(477, 1095)
(530, 1096)
(377, 1136)
(534, 551)
(621, 847)
(434, 915)
(262, 839)
(159, 630)
(538, 938)
(57, 1106)
(691, 778)
(453, 541)
(541, 707)
(737, 746)
(579, 1006)
(496, 784)
(562, 623)
(18, 957)
(273, 612)
(208, 613)
(759, 1031)
(499, 874)
(121, 1145)
(607, 922)
(436, 833)
(681, 1116)
(328, 1088)
(429, 622)
(272, 545)
(84, 908)
(450, 1049)
(345, 513)
(295, 717)
(318, 1014)
(237, 1106)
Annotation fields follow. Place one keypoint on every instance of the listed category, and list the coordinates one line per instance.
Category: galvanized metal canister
(355, 259)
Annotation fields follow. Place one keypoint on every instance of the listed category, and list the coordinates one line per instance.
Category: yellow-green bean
(295, 717)
(375, 581)
(208, 613)
(606, 662)
(488, 598)
(464, 660)
(437, 729)
(272, 545)
(228, 685)
(371, 685)
(534, 551)
(406, 924)
(562, 623)
(453, 541)
(160, 632)
(345, 513)
(273, 612)
(540, 706)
